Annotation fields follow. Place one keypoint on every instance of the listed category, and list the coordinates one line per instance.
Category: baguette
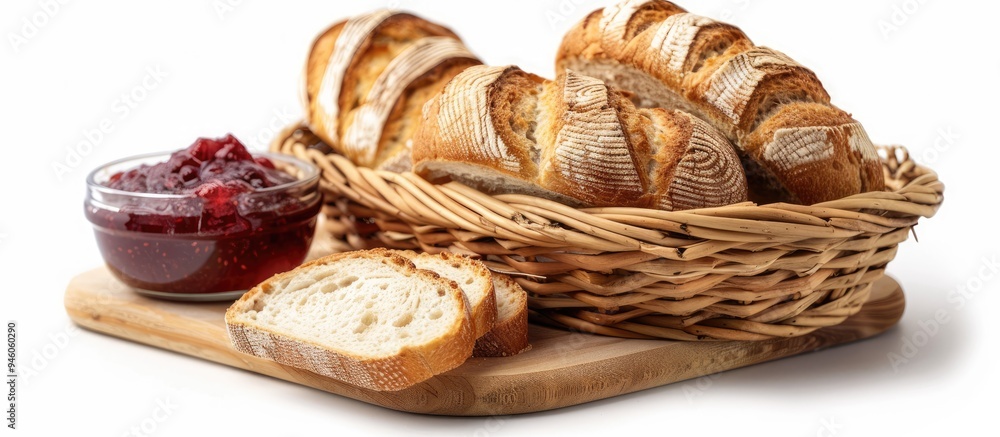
(510, 334)
(367, 78)
(795, 145)
(572, 140)
(368, 318)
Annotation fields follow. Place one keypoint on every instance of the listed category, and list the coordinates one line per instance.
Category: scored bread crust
(573, 140)
(595, 126)
(482, 305)
(467, 122)
(366, 79)
(509, 336)
(796, 146)
(411, 365)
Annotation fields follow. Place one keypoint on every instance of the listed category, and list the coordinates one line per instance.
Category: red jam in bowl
(204, 223)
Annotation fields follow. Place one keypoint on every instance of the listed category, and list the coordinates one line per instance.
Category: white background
(929, 83)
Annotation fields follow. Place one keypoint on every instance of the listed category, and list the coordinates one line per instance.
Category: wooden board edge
(488, 395)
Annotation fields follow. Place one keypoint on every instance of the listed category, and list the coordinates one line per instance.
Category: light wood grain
(562, 368)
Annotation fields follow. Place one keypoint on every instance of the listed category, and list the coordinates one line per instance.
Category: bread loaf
(368, 318)
(795, 145)
(367, 78)
(573, 140)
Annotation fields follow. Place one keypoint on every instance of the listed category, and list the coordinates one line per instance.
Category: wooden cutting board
(562, 368)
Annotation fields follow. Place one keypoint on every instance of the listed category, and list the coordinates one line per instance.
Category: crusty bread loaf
(795, 145)
(368, 318)
(510, 334)
(471, 276)
(573, 140)
(367, 78)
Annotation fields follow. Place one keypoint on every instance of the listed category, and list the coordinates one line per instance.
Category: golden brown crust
(468, 122)
(509, 336)
(574, 140)
(672, 139)
(409, 366)
(365, 79)
(600, 150)
(512, 104)
(714, 70)
(695, 166)
(404, 119)
(316, 61)
(837, 131)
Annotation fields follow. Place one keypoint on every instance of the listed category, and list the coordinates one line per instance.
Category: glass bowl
(174, 246)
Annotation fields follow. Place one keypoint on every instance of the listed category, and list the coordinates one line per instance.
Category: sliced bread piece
(471, 276)
(368, 318)
(510, 334)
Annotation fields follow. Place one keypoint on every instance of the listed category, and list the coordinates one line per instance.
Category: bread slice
(368, 318)
(510, 334)
(471, 276)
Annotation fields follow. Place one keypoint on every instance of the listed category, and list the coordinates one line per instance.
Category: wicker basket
(739, 272)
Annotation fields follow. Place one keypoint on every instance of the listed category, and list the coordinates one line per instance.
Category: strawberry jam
(204, 223)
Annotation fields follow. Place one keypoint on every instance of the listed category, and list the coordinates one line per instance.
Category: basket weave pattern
(739, 272)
